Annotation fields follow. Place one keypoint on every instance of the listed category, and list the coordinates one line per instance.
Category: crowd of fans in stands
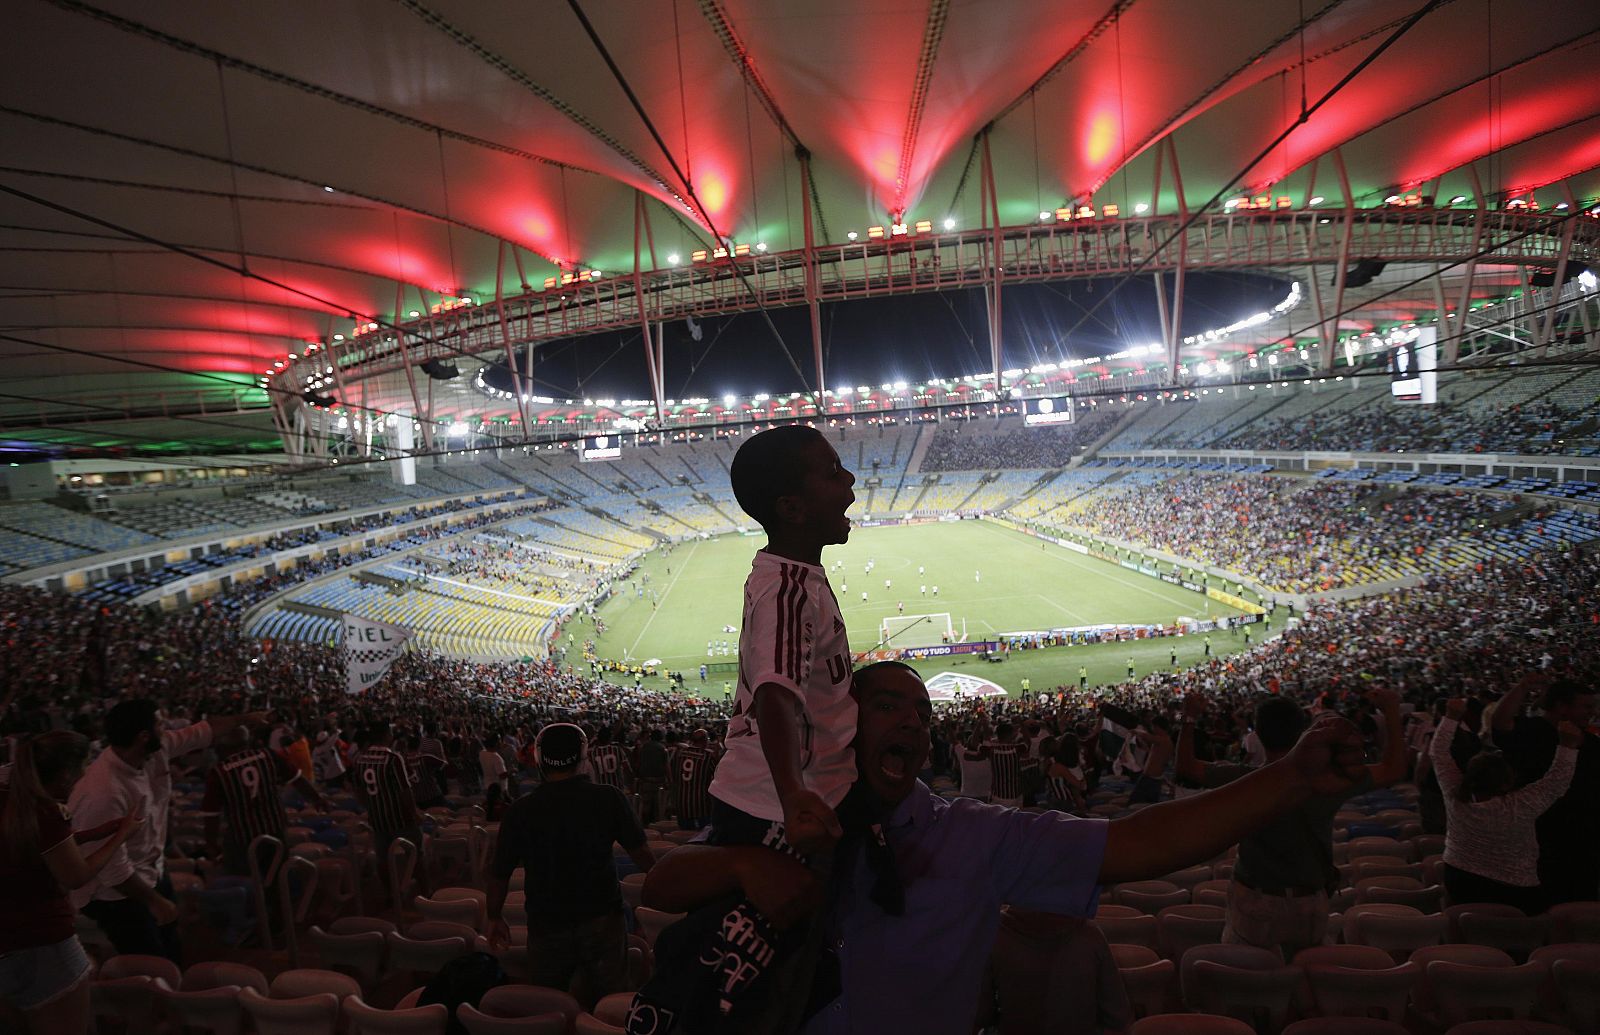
(1450, 648)
(1534, 428)
(1316, 536)
(1470, 634)
(973, 447)
(1464, 638)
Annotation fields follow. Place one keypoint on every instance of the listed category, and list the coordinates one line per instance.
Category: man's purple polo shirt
(960, 861)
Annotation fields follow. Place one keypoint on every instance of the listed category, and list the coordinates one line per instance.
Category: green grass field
(1025, 584)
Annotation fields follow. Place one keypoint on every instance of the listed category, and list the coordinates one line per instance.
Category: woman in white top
(1491, 853)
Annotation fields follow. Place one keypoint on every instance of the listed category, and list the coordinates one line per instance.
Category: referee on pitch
(561, 834)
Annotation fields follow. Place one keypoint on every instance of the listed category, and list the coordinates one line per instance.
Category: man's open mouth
(894, 760)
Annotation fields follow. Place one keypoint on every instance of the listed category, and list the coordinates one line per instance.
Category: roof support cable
(655, 134)
(1305, 116)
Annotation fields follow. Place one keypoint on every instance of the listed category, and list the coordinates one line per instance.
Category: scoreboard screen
(1048, 410)
(601, 447)
(1412, 369)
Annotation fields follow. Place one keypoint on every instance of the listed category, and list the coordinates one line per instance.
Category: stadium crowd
(971, 446)
(1534, 428)
(1297, 537)
(1450, 648)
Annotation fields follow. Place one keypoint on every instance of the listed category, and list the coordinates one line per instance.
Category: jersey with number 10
(610, 765)
(793, 636)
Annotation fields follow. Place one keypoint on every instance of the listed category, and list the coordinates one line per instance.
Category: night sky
(907, 338)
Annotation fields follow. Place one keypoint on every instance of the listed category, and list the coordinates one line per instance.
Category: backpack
(463, 980)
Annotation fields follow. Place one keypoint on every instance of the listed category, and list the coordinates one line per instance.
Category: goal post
(920, 630)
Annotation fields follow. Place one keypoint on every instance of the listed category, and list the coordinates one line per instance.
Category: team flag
(1116, 728)
(369, 649)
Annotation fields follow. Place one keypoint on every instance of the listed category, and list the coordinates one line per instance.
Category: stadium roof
(339, 150)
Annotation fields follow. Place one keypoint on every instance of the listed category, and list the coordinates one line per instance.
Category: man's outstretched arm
(1162, 838)
(694, 875)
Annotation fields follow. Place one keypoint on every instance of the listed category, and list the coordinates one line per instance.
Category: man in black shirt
(652, 772)
(1278, 898)
(562, 834)
(1569, 833)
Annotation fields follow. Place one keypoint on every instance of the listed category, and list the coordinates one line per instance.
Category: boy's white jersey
(794, 636)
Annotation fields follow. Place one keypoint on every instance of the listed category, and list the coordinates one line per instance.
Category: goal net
(918, 630)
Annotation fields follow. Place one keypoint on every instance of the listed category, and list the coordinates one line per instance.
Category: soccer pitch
(997, 579)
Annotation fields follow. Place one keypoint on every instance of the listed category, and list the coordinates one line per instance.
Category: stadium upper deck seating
(1523, 412)
(984, 444)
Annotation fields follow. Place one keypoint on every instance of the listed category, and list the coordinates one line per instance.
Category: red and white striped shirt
(793, 636)
(244, 789)
(383, 783)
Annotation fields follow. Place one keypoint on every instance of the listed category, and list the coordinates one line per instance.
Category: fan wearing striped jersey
(609, 760)
(244, 798)
(383, 783)
(788, 760)
(692, 766)
(787, 754)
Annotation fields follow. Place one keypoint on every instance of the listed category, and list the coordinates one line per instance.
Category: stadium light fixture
(761, 246)
(1045, 217)
(949, 223)
(852, 235)
(1319, 199)
(1141, 208)
(674, 258)
(1458, 199)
